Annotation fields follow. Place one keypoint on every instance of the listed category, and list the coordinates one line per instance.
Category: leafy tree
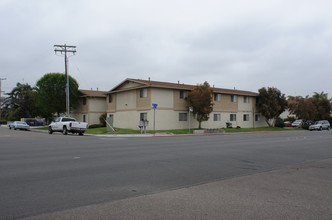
(303, 108)
(271, 103)
(314, 108)
(51, 95)
(21, 102)
(200, 98)
(323, 105)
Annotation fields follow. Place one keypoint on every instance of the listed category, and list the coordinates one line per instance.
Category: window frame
(145, 116)
(183, 94)
(110, 98)
(246, 117)
(257, 117)
(232, 117)
(143, 93)
(233, 98)
(183, 118)
(217, 97)
(216, 117)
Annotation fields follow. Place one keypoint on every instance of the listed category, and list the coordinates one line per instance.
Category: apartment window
(217, 97)
(233, 98)
(143, 116)
(216, 117)
(246, 117)
(232, 117)
(84, 101)
(143, 93)
(110, 98)
(257, 117)
(84, 118)
(183, 116)
(246, 99)
(183, 94)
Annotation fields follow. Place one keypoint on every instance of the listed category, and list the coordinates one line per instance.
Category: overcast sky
(229, 43)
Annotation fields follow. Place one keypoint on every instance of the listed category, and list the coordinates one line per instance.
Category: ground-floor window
(232, 117)
(216, 117)
(143, 116)
(257, 117)
(246, 117)
(84, 118)
(183, 116)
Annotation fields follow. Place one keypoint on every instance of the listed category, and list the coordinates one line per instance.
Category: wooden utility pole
(66, 49)
(0, 95)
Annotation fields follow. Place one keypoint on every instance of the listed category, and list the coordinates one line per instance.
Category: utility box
(109, 121)
(142, 124)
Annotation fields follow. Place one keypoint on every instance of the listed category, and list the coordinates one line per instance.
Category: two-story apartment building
(92, 104)
(131, 101)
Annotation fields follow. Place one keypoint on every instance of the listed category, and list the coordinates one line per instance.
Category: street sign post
(154, 106)
(190, 110)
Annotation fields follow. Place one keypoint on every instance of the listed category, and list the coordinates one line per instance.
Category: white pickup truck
(67, 124)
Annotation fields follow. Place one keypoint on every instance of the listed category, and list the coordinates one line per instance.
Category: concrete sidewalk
(298, 192)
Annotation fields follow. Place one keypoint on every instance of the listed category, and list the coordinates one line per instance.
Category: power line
(66, 49)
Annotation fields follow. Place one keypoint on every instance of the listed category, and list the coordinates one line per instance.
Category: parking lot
(59, 175)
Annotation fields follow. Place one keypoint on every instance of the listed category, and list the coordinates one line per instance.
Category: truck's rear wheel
(80, 134)
(64, 131)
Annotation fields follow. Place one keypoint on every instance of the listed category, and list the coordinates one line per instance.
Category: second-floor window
(233, 98)
(143, 93)
(183, 94)
(84, 101)
(246, 99)
(217, 97)
(110, 98)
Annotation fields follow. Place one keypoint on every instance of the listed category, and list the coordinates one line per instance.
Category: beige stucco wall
(179, 104)
(169, 119)
(143, 103)
(97, 104)
(111, 106)
(163, 97)
(126, 100)
(225, 105)
(244, 106)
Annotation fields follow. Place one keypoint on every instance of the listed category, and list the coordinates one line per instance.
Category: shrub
(96, 126)
(279, 123)
(102, 119)
(305, 126)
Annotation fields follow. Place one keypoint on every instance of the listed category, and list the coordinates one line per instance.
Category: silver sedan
(19, 125)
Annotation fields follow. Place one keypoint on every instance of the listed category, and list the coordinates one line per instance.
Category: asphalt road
(41, 173)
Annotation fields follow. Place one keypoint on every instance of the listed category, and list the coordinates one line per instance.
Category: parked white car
(297, 123)
(320, 125)
(19, 125)
(66, 125)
